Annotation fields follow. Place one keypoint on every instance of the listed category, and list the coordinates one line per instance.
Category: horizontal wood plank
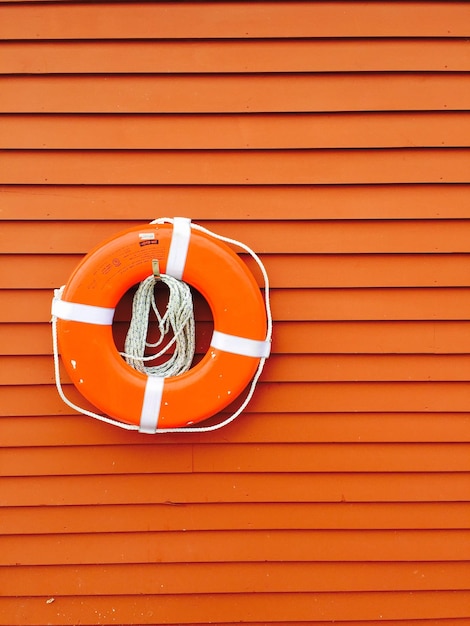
(220, 607)
(265, 131)
(210, 608)
(222, 546)
(39, 520)
(237, 56)
(234, 488)
(254, 428)
(216, 459)
(398, 622)
(282, 237)
(164, 579)
(24, 370)
(249, 167)
(298, 397)
(302, 304)
(47, 271)
(296, 337)
(232, 19)
(225, 93)
(250, 203)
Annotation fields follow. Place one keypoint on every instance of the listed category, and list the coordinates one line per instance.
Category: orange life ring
(85, 313)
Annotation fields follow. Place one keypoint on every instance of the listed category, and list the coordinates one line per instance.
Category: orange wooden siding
(332, 137)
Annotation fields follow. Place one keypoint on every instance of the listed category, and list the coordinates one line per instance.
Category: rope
(179, 318)
(182, 324)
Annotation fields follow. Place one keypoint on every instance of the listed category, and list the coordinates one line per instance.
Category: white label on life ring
(75, 312)
(151, 404)
(240, 345)
(178, 247)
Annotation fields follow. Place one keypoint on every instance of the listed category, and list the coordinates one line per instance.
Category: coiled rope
(136, 352)
(178, 318)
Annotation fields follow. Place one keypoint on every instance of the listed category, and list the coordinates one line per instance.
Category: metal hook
(156, 269)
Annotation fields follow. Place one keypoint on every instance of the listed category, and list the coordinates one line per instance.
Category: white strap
(74, 312)
(151, 404)
(178, 247)
(240, 345)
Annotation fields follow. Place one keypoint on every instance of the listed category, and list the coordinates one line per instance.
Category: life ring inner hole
(204, 323)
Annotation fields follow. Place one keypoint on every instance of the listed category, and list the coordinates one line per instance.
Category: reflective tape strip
(240, 345)
(178, 247)
(151, 404)
(74, 312)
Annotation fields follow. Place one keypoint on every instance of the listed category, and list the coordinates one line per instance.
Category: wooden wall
(333, 138)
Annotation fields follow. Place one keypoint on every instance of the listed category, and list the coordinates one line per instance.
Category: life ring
(84, 315)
